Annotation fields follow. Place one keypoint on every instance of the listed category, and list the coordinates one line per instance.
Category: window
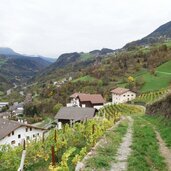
(34, 135)
(12, 132)
(26, 129)
(30, 129)
(19, 136)
(128, 95)
(37, 134)
(132, 95)
(27, 137)
(13, 142)
(19, 144)
(9, 135)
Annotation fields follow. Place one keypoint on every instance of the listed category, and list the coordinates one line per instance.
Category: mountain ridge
(161, 34)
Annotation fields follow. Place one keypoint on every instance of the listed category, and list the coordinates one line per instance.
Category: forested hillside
(17, 68)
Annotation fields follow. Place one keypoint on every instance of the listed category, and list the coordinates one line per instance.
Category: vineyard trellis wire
(151, 97)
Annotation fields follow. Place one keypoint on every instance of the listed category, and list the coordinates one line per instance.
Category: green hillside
(157, 82)
(161, 78)
(86, 78)
(166, 67)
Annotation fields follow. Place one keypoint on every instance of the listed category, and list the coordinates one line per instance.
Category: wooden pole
(53, 155)
(43, 137)
(93, 131)
(64, 129)
(55, 138)
(24, 144)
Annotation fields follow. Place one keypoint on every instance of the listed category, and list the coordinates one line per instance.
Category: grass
(166, 67)
(168, 43)
(145, 154)
(153, 83)
(86, 56)
(163, 126)
(86, 78)
(106, 153)
(1, 93)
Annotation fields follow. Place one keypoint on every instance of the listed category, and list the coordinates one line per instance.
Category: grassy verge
(145, 154)
(106, 153)
(163, 126)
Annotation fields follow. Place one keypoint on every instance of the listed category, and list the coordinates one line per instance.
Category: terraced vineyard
(119, 109)
(151, 97)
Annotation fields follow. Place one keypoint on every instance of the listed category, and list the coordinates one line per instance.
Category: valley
(99, 110)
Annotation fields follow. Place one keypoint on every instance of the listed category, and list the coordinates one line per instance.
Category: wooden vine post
(55, 136)
(43, 137)
(93, 131)
(53, 155)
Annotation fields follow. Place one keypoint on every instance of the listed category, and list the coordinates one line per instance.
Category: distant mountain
(7, 51)
(15, 67)
(67, 58)
(71, 63)
(160, 34)
(101, 52)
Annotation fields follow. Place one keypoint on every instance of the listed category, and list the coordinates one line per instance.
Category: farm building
(17, 108)
(14, 133)
(86, 100)
(122, 95)
(71, 115)
(3, 104)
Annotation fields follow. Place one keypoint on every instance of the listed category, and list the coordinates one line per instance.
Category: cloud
(52, 27)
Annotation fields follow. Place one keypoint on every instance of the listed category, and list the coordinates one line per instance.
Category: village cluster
(81, 107)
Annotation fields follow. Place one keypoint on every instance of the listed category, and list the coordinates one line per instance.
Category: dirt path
(81, 165)
(124, 150)
(164, 150)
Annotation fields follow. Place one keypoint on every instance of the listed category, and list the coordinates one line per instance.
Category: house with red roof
(86, 100)
(122, 95)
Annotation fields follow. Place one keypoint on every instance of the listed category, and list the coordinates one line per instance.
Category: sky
(53, 27)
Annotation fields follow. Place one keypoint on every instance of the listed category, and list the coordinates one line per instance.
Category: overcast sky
(52, 27)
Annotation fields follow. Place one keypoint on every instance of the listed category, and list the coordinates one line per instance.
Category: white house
(86, 100)
(122, 95)
(14, 133)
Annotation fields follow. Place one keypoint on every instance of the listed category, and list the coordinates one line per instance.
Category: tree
(153, 71)
(57, 107)
(30, 110)
(5, 108)
(131, 79)
(131, 82)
